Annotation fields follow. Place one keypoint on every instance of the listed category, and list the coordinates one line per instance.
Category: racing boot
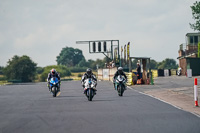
(48, 86)
(84, 90)
(59, 86)
(95, 91)
(115, 86)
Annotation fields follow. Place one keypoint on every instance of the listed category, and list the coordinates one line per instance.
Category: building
(188, 54)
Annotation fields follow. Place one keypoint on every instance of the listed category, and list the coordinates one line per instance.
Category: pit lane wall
(163, 72)
(106, 74)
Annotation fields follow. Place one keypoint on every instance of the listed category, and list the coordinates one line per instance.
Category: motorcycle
(89, 89)
(120, 85)
(54, 85)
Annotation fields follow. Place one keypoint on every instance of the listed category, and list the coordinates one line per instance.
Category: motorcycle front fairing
(89, 84)
(89, 88)
(120, 80)
(54, 82)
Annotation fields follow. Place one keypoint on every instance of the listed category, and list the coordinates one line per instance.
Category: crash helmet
(120, 70)
(53, 71)
(89, 71)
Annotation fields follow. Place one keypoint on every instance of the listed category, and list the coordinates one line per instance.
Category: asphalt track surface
(30, 108)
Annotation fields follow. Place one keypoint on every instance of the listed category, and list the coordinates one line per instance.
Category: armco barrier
(189, 73)
(170, 74)
(129, 78)
(155, 73)
(173, 72)
(100, 74)
(106, 74)
(166, 72)
(160, 72)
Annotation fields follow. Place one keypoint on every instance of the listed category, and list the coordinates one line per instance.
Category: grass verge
(4, 83)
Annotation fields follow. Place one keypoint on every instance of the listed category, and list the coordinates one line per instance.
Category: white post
(195, 92)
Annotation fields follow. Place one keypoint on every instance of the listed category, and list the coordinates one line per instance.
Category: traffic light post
(105, 50)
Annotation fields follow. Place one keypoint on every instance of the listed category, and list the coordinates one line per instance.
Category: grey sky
(41, 28)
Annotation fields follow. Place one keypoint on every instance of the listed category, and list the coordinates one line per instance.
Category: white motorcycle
(120, 85)
(89, 88)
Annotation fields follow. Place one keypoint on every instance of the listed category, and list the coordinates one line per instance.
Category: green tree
(100, 62)
(82, 63)
(39, 70)
(168, 64)
(77, 69)
(90, 63)
(134, 64)
(70, 57)
(20, 68)
(153, 64)
(1, 69)
(196, 16)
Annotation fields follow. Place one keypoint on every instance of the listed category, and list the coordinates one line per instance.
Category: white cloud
(41, 29)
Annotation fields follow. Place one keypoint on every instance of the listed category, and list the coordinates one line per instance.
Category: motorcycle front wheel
(120, 90)
(54, 91)
(90, 95)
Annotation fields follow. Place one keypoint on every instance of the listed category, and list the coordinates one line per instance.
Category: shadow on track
(68, 96)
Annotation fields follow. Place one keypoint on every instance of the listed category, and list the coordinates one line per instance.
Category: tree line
(69, 60)
(23, 69)
(165, 64)
(196, 16)
(73, 57)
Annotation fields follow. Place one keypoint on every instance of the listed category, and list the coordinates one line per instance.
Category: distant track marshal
(138, 70)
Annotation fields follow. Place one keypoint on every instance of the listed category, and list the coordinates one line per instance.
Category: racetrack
(30, 108)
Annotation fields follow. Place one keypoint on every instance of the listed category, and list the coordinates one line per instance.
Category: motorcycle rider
(138, 70)
(87, 75)
(117, 73)
(52, 74)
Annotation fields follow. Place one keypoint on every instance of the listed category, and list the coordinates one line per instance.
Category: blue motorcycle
(54, 85)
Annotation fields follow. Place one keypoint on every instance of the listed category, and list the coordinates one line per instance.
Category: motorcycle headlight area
(87, 86)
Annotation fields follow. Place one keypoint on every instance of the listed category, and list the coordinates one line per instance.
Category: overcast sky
(41, 28)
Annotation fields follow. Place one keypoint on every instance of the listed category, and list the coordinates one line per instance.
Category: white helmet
(120, 70)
